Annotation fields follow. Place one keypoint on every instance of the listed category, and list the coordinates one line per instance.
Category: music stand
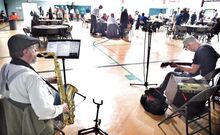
(149, 27)
(65, 49)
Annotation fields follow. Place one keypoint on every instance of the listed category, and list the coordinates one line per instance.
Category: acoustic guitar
(172, 64)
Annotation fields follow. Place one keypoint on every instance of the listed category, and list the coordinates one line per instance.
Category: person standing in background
(3, 16)
(95, 14)
(124, 22)
(41, 11)
(193, 18)
(50, 13)
(130, 21)
(137, 25)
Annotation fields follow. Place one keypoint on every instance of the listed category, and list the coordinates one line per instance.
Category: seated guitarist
(204, 61)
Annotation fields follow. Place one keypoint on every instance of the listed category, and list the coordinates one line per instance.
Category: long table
(48, 30)
(192, 29)
(50, 22)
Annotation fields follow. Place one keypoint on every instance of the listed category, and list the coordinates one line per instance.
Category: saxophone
(66, 96)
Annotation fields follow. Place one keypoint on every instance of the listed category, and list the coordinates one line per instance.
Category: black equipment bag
(154, 102)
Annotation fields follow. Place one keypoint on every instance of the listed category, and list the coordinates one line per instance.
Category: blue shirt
(179, 19)
(144, 19)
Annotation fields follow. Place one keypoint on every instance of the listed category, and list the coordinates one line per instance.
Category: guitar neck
(164, 64)
(182, 63)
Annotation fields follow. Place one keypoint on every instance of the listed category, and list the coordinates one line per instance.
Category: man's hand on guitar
(165, 64)
(172, 64)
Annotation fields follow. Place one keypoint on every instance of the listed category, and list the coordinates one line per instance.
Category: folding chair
(24, 116)
(214, 78)
(201, 32)
(66, 34)
(217, 34)
(210, 77)
(27, 31)
(203, 96)
(180, 31)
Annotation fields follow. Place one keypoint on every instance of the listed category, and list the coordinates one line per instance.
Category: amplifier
(183, 84)
(192, 87)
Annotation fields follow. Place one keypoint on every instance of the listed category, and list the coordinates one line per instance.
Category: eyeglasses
(188, 47)
(33, 47)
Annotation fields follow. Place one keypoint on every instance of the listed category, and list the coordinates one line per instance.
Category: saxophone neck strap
(23, 63)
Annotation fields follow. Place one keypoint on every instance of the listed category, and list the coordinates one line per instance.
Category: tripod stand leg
(102, 132)
(86, 131)
(96, 128)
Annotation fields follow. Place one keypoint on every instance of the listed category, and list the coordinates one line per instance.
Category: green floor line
(130, 73)
(100, 42)
(1, 29)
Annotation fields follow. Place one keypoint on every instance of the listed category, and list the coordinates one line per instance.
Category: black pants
(93, 24)
(122, 29)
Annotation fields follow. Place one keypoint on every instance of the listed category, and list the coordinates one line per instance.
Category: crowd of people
(12, 16)
(184, 17)
(108, 25)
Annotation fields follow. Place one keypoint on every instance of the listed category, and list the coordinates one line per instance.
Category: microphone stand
(64, 77)
(150, 31)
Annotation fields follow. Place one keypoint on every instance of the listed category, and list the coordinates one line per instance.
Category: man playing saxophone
(28, 88)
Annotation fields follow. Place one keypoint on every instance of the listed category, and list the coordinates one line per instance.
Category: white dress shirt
(95, 12)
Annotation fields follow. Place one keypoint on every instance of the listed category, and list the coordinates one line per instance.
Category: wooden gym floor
(105, 70)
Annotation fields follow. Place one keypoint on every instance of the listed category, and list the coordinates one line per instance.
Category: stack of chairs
(66, 34)
(180, 32)
(201, 33)
(27, 31)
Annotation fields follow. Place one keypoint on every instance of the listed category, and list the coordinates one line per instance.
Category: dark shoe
(103, 35)
(159, 89)
(156, 92)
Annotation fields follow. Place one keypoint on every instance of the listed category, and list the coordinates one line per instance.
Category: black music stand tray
(96, 128)
(60, 45)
